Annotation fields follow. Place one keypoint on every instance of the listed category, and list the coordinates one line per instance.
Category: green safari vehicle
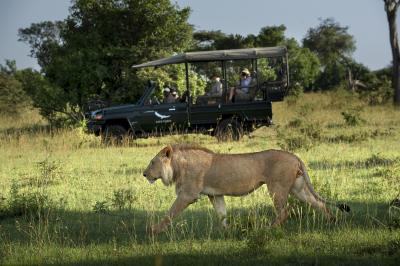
(223, 115)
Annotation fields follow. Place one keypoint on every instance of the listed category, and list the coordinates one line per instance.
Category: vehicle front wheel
(229, 129)
(114, 134)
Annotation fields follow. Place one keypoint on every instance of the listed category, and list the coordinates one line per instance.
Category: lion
(197, 171)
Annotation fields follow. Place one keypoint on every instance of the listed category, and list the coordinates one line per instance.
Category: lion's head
(160, 167)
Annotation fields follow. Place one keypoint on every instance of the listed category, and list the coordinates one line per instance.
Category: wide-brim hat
(245, 71)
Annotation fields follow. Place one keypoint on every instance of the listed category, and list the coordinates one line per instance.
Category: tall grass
(66, 199)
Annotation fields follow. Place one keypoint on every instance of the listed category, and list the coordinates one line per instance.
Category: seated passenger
(214, 92)
(174, 94)
(168, 97)
(216, 86)
(242, 88)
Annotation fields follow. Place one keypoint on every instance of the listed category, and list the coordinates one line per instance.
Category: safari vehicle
(194, 112)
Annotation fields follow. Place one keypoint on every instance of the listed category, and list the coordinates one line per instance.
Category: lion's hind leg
(279, 197)
(301, 191)
(219, 205)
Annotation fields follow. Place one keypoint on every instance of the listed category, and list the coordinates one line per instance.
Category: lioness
(196, 171)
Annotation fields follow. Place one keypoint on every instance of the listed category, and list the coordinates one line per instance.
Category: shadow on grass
(84, 228)
(75, 229)
(240, 258)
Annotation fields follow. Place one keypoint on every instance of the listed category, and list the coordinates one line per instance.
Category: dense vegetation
(66, 199)
(88, 56)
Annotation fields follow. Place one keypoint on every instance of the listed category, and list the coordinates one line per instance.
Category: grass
(66, 199)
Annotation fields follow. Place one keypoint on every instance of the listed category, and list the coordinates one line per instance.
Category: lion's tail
(340, 206)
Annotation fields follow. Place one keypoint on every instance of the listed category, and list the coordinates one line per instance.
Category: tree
(391, 7)
(304, 66)
(329, 41)
(334, 47)
(91, 52)
(217, 40)
(271, 36)
(12, 95)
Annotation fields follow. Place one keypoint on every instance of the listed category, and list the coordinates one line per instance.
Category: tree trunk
(391, 10)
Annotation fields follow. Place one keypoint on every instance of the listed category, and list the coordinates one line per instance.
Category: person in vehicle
(216, 86)
(215, 91)
(174, 94)
(168, 96)
(242, 88)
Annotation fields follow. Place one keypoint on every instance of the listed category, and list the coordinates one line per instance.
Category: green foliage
(217, 40)
(333, 75)
(379, 91)
(91, 52)
(50, 99)
(12, 96)
(329, 41)
(101, 207)
(304, 67)
(89, 230)
(258, 240)
(352, 117)
(123, 198)
(271, 36)
(27, 204)
(333, 45)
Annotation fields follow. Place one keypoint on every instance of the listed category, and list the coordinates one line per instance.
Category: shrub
(123, 198)
(257, 240)
(299, 133)
(100, 207)
(28, 204)
(353, 117)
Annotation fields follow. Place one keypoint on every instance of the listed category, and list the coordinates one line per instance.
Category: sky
(366, 20)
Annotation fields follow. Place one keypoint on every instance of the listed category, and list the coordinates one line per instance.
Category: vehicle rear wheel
(229, 129)
(114, 134)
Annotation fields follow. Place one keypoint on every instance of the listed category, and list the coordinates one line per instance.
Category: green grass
(66, 199)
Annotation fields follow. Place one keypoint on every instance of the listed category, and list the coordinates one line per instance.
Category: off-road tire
(229, 130)
(114, 134)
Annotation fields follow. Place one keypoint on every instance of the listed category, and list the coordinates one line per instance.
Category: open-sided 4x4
(217, 115)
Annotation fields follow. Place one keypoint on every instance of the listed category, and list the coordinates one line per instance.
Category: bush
(258, 240)
(353, 117)
(299, 133)
(28, 204)
(123, 198)
(379, 92)
(12, 96)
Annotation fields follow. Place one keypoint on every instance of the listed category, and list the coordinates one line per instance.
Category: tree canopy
(329, 41)
(90, 53)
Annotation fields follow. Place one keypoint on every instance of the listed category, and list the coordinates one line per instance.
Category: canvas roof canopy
(217, 55)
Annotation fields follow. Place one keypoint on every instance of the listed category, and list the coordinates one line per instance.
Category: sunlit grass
(359, 165)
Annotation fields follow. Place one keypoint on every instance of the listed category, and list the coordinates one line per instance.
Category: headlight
(97, 115)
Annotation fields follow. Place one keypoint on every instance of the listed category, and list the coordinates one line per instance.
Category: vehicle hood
(119, 108)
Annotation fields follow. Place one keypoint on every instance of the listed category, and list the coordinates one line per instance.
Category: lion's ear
(168, 151)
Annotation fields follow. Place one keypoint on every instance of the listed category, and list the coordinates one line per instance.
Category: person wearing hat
(216, 86)
(174, 94)
(170, 95)
(242, 88)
